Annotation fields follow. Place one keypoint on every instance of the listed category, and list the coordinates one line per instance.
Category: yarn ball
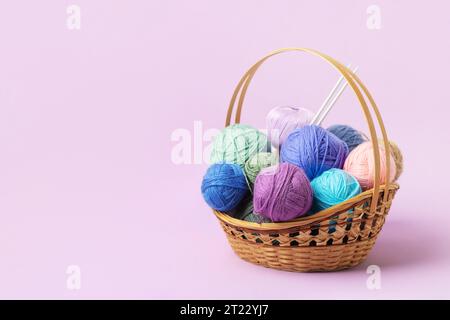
(398, 159)
(224, 186)
(244, 211)
(332, 187)
(314, 150)
(360, 164)
(237, 143)
(350, 136)
(282, 192)
(253, 217)
(281, 121)
(257, 162)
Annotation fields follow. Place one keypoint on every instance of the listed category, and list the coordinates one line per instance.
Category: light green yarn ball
(257, 162)
(237, 143)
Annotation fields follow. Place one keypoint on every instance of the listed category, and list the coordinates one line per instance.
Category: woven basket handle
(355, 83)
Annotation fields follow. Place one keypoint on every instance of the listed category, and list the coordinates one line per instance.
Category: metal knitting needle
(328, 98)
(334, 99)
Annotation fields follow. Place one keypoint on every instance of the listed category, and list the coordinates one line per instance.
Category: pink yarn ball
(282, 192)
(360, 164)
(281, 121)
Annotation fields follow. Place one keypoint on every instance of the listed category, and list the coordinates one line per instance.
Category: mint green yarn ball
(257, 162)
(237, 143)
(333, 187)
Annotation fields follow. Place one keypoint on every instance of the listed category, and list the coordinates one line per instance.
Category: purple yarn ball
(282, 192)
(314, 149)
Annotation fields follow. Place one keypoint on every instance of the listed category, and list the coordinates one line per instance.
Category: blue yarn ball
(224, 186)
(350, 136)
(314, 149)
(332, 187)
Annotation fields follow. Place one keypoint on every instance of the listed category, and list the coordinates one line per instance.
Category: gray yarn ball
(244, 211)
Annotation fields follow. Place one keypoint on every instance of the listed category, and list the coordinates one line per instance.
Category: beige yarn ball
(398, 159)
(396, 155)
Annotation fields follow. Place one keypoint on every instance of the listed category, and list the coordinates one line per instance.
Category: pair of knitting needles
(334, 95)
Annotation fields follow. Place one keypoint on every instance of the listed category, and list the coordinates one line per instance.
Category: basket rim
(302, 221)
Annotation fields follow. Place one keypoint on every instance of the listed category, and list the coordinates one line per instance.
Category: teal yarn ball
(333, 187)
(257, 162)
(224, 186)
(350, 136)
(237, 143)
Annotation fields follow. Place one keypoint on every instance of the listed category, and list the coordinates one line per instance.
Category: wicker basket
(337, 238)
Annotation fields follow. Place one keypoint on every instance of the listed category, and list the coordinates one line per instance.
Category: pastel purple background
(86, 117)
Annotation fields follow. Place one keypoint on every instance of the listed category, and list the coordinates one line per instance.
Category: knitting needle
(328, 98)
(334, 99)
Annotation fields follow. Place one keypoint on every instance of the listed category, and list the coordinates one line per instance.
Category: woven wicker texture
(339, 242)
(304, 259)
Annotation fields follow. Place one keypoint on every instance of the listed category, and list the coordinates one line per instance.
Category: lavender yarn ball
(282, 193)
(314, 149)
(350, 136)
(281, 121)
(224, 186)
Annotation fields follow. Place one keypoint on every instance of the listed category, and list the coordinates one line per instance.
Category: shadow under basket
(312, 243)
